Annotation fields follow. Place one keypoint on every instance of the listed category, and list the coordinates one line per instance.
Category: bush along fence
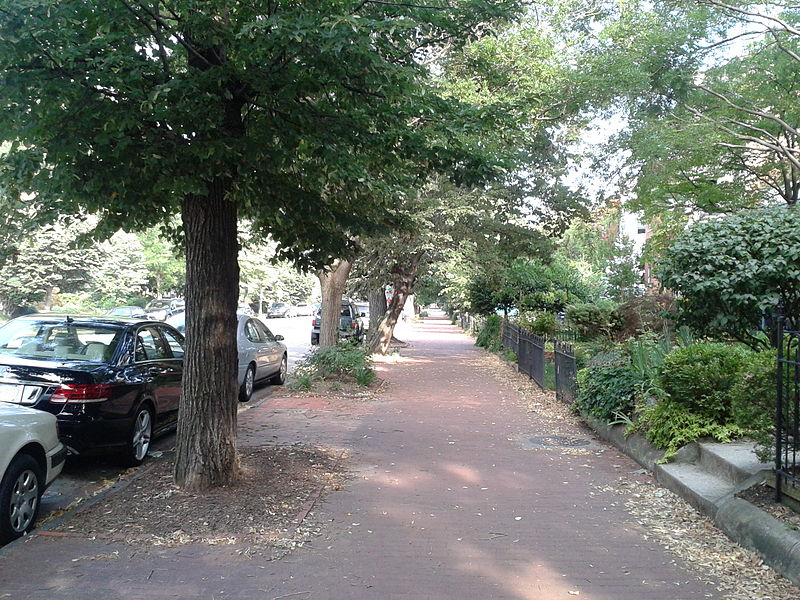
(532, 359)
(471, 323)
(787, 411)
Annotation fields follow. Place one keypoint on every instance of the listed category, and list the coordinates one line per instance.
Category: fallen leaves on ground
(266, 508)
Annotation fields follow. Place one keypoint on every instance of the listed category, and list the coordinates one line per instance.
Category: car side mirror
(363, 314)
(279, 338)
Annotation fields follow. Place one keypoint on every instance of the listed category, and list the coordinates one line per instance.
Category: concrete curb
(741, 521)
(82, 505)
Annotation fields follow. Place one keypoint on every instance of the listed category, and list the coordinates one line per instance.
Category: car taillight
(81, 393)
(313, 322)
(354, 325)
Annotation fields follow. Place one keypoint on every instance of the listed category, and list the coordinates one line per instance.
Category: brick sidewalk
(448, 500)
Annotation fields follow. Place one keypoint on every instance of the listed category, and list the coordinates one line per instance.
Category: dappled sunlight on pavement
(444, 500)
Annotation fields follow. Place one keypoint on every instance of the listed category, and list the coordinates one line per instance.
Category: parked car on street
(280, 310)
(112, 383)
(130, 312)
(31, 457)
(262, 355)
(351, 323)
(161, 310)
(303, 309)
(245, 309)
(363, 310)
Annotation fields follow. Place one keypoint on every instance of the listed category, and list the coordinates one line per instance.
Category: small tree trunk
(377, 306)
(205, 448)
(48, 299)
(332, 281)
(405, 277)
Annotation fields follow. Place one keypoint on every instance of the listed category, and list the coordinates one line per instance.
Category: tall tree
(166, 268)
(45, 261)
(302, 116)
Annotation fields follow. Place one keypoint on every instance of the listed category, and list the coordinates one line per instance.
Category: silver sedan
(262, 355)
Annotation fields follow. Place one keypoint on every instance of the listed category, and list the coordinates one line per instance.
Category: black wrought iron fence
(511, 334)
(532, 359)
(566, 335)
(787, 408)
(566, 370)
(529, 349)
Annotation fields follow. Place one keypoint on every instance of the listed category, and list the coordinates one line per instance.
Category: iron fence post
(779, 408)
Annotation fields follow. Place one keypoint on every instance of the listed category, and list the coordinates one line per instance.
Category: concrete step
(702, 488)
(735, 461)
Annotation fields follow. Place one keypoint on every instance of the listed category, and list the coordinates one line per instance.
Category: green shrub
(612, 357)
(607, 391)
(670, 424)
(491, 336)
(342, 360)
(586, 350)
(597, 319)
(509, 355)
(303, 382)
(544, 324)
(701, 376)
(647, 353)
(753, 399)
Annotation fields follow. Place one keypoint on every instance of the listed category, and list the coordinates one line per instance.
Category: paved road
(83, 477)
(297, 335)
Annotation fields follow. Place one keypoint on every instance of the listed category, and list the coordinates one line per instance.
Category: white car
(31, 457)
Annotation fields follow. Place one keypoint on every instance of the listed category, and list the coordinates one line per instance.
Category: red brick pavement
(447, 501)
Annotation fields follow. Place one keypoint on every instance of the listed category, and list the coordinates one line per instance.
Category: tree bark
(48, 299)
(332, 281)
(405, 276)
(205, 448)
(377, 306)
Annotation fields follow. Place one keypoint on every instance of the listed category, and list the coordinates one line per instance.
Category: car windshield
(157, 304)
(278, 305)
(58, 341)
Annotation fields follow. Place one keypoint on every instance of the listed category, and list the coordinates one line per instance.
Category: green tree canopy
(308, 118)
(729, 272)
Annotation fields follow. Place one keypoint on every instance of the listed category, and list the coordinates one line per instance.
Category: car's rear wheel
(246, 389)
(280, 377)
(20, 492)
(140, 437)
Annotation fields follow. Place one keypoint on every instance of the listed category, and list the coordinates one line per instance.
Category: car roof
(84, 319)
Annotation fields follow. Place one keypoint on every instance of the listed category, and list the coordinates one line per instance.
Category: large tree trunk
(405, 276)
(332, 281)
(205, 449)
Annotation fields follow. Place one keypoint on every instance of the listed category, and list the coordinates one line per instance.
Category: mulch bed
(269, 506)
(763, 496)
